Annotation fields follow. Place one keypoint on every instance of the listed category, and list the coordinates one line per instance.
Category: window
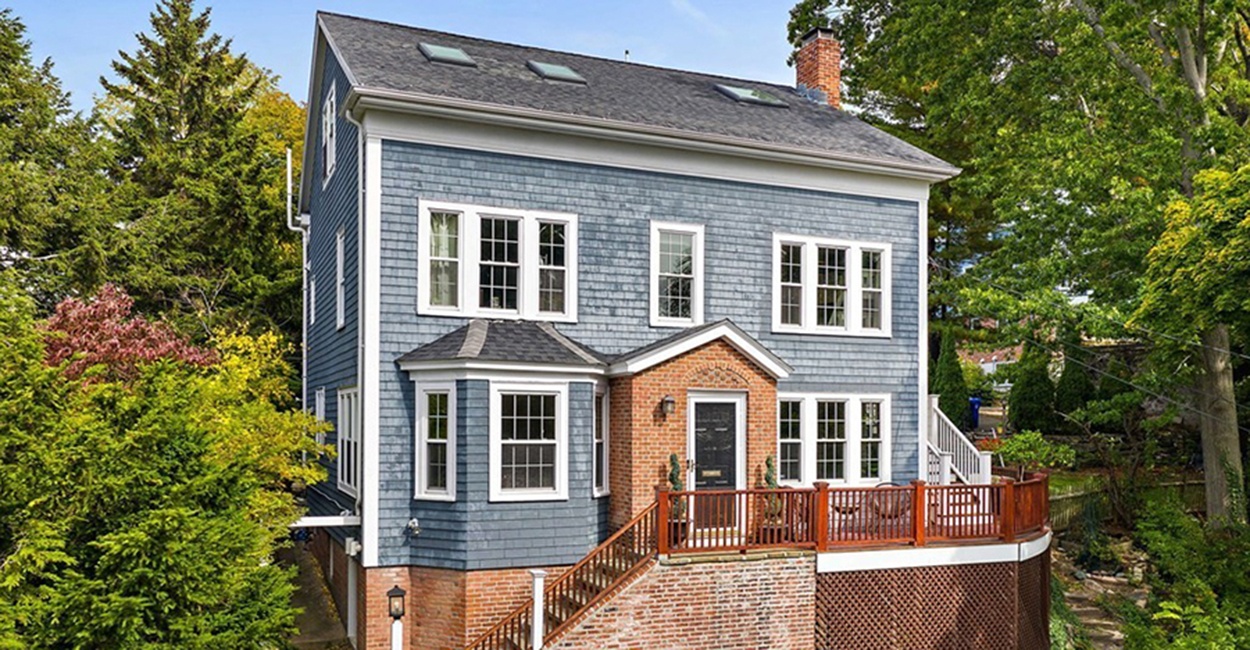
(676, 274)
(340, 281)
(602, 415)
(840, 439)
(556, 72)
(312, 300)
(497, 263)
(319, 412)
(528, 433)
(827, 286)
(436, 442)
(349, 440)
(329, 133)
(445, 54)
(790, 435)
(749, 95)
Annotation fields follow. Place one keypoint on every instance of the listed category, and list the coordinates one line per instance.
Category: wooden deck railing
(827, 518)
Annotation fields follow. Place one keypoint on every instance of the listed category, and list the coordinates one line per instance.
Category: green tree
(1075, 388)
(1030, 406)
(948, 384)
(144, 512)
(200, 133)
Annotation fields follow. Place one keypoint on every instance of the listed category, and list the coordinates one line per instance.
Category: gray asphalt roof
(518, 341)
(385, 56)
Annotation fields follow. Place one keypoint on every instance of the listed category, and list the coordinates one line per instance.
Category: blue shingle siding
(332, 352)
(614, 208)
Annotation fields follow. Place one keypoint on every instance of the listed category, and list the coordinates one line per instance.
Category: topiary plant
(678, 485)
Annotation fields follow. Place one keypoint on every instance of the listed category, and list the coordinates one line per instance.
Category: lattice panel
(1034, 629)
(966, 607)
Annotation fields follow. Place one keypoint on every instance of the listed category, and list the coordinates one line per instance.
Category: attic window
(556, 72)
(749, 95)
(444, 54)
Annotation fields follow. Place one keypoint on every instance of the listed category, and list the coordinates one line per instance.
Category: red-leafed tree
(101, 331)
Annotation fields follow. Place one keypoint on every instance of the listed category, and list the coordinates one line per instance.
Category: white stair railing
(940, 470)
(967, 463)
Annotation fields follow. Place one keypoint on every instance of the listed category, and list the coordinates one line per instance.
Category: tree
(144, 511)
(948, 384)
(1075, 388)
(1030, 406)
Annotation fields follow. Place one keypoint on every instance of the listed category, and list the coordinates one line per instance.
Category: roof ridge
(573, 347)
(474, 338)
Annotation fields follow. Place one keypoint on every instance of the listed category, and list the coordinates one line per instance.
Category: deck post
(945, 464)
(821, 516)
(538, 629)
(1009, 510)
(662, 521)
(918, 500)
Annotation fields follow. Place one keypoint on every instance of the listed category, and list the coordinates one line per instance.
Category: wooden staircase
(577, 591)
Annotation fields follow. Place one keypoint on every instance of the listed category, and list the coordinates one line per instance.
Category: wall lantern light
(395, 598)
(668, 405)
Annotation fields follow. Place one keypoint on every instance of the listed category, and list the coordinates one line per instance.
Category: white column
(539, 624)
(945, 471)
(397, 635)
(933, 420)
(987, 469)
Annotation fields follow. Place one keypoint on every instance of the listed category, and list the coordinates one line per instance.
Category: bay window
(528, 430)
(436, 441)
(348, 432)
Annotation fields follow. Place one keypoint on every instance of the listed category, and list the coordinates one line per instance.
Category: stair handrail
(645, 524)
(968, 462)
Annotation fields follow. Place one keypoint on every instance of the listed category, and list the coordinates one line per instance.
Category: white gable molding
(930, 556)
(757, 353)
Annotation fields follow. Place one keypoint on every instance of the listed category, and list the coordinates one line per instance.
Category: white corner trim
(695, 230)
(370, 325)
(930, 556)
(922, 338)
(757, 353)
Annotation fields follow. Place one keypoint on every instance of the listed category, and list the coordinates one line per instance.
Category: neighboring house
(541, 274)
(991, 361)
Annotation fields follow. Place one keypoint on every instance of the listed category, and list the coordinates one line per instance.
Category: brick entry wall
(715, 605)
(642, 437)
(961, 607)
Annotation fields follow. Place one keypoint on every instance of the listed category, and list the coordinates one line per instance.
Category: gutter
(361, 99)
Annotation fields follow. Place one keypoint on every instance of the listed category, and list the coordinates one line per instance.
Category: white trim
(696, 283)
(465, 365)
(312, 299)
(329, 133)
(561, 393)
(420, 491)
(739, 400)
(922, 337)
(370, 314)
(854, 286)
(310, 521)
(469, 255)
(930, 556)
(854, 420)
(340, 281)
(347, 438)
(752, 349)
(319, 411)
(603, 404)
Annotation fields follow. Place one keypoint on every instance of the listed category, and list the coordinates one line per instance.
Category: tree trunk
(1221, 440)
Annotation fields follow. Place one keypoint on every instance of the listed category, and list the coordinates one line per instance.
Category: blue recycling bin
(974, 403)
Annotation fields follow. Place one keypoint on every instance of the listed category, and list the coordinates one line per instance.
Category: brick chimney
(818, 65)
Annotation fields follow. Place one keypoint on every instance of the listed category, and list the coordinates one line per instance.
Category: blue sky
(741, 38)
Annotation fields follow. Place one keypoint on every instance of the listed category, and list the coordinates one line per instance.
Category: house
(539, 283)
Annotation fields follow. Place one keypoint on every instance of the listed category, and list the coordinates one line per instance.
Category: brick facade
(818, 65)
(757, 603)
(642, 437)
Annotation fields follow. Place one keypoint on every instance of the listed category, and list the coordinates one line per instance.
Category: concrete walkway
(319, 624)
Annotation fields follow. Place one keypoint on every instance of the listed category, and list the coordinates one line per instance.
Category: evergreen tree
(948, 384)
(1075, 388)
(1030, 406)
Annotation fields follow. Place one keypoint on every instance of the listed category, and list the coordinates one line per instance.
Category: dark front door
(715, 462)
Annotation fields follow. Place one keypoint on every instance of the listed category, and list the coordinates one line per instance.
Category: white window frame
(340, 280)
(421, 490)
(696, 285)
(468, 238)
(561, 490)
(855, 289)
(603, 406)
(319, 412)
(801, 443)
(312, 299)
(854, 429)
(329, 134)
(348, 433)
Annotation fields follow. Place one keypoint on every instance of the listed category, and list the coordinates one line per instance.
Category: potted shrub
(677, 513)
(772, 527)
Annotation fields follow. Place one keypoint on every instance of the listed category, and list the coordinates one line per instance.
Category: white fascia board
(929, 556)
(326, 522)
(753, 351)
(596, 145)
(470, 366)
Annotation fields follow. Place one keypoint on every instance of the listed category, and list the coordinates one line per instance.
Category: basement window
(556, 72)
(444, 54)
(749, 95)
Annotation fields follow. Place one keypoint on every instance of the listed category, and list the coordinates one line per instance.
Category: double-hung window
(329, 133)
(340, 278)
(676, 274)
(602, 416)
(830, 286)
(436, 442)
(348, 440)
(529, 434)
(494, 262)
(840, 439)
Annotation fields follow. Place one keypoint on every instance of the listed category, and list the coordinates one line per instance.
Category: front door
(715, 433)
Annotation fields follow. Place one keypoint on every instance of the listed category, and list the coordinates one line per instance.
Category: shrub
(1031, 452)
(948, 384)
(1031, 402)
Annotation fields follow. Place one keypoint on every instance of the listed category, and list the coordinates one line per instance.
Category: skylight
(749, 95)
(444, 54)
(556, 72)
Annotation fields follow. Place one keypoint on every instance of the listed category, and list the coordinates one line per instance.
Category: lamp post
(395, 603)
